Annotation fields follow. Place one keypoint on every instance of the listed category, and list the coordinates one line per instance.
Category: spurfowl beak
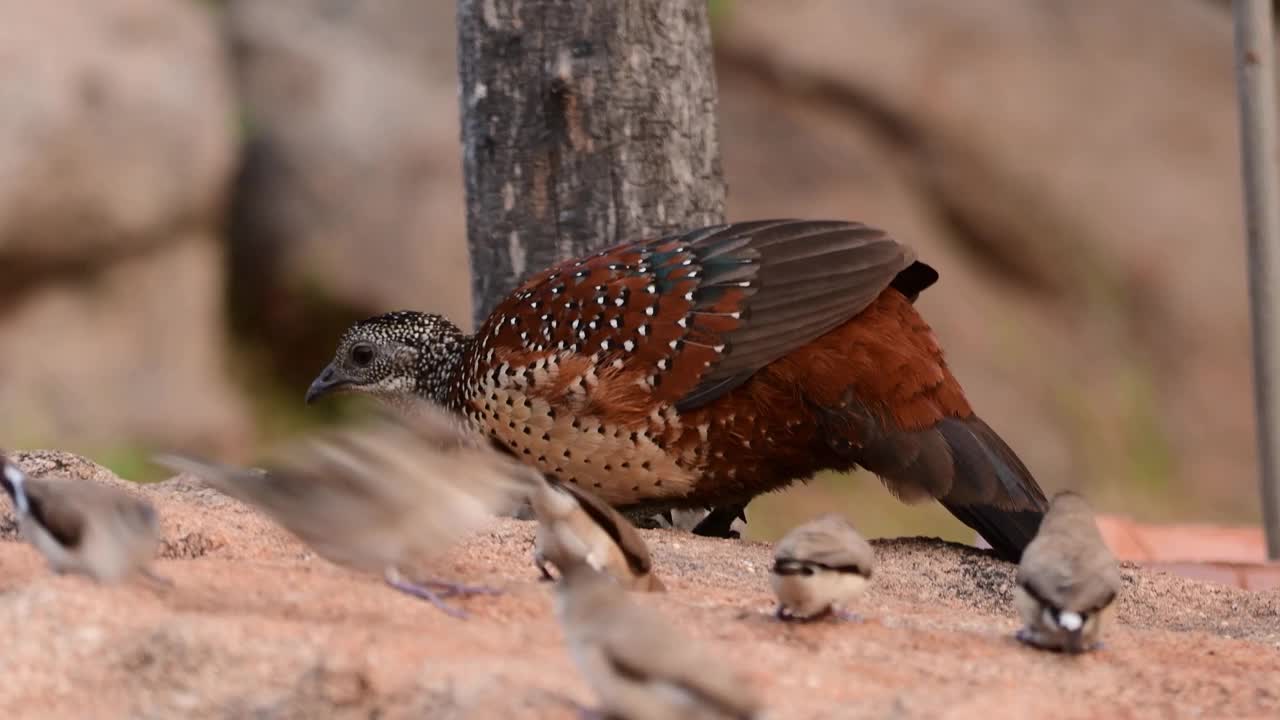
(329, 381)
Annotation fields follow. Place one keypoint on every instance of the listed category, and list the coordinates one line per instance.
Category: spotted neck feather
(439, 376)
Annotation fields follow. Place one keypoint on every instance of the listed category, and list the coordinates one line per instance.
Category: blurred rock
(116, 146)
(1043, 124)
(1075, 182)
(114, 129)
(350, 202)
(129, 352)
(785, 156)
(260, 628)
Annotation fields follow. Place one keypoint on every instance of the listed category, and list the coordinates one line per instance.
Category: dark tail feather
(1007, 531)
(959, 461)
(914, 279)
(991, 491)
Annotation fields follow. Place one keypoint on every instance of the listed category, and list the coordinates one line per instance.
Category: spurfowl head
(396, 357)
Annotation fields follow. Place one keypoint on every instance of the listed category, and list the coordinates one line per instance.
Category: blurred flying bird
(377, 495)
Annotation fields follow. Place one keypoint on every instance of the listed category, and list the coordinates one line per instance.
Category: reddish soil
(257, 626)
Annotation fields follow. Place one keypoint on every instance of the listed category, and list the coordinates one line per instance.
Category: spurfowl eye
(362, 355)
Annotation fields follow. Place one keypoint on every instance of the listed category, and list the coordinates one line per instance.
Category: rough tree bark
(584, 123)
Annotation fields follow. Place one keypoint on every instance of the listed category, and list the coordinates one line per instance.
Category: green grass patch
(130, 462)
(862, 498)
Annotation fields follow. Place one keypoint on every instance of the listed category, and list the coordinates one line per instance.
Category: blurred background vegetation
(197, 197)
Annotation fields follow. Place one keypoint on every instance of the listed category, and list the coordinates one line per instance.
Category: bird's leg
(541, 563)
(1034, 638)
(395, 580)
(650, 521)
(524, 512)
(540, 560)
(719, 522)
(449, 589)
(584, 712)
(154, 580)
(421, 591)
(786, 615)
(846, 616)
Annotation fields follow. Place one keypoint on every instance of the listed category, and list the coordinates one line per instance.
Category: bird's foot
(1076, 647)
(1056, 643)
(448, 589)
(719, 522)
(544, 574)
(846, 616)
(1037, 640)
(784, 614)
(424, 591)
(656, 521)
(155, 581)
(584, 712)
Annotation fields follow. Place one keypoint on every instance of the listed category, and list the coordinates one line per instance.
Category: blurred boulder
(114, 128)
(350, 201)
(116, 145)
(1047, 126)
(1072, 170)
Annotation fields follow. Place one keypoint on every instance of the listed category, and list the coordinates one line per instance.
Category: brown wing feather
(612, 522)
(809, 278)
(54, 510)
(695, 315)
(886, 400)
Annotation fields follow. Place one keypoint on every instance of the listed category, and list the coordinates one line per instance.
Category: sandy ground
(256, 626)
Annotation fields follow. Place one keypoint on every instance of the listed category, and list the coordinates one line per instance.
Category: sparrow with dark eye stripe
(1067, 580)
(819, 566)
(576, 525)
(84, 527)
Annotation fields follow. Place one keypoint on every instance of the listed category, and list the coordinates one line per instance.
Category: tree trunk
(584, 123)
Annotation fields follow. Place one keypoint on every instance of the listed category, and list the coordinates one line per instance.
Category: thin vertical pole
(1255, 82)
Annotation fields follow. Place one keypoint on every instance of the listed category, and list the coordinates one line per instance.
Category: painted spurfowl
(703, 369)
